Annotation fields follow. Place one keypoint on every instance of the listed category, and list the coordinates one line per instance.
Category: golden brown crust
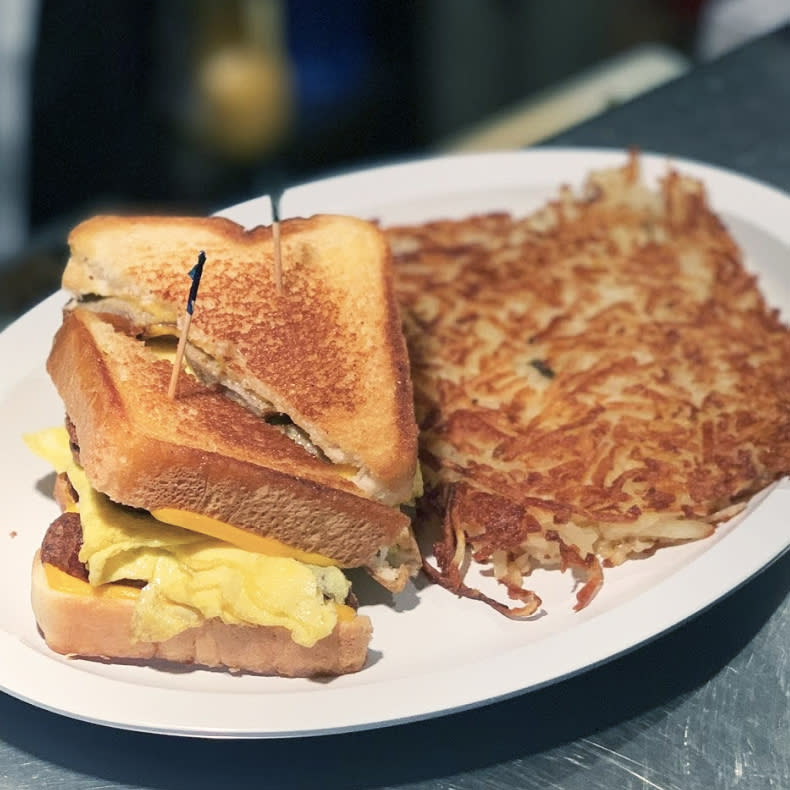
(328, 350)
(83, 625)
(202, 452)
(593, 381)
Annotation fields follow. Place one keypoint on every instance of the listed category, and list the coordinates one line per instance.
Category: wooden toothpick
(278, 259)
(195, 273)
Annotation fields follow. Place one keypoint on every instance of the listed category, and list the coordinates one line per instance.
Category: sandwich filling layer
(187, 578)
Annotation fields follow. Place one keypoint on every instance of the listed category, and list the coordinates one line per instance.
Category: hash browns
(592, 382)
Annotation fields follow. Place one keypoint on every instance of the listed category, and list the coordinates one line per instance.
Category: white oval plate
(431, 653)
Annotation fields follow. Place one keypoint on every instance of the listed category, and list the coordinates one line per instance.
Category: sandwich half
(197, 529)
(326, 351)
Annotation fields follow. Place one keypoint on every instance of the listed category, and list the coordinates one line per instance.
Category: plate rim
(436, 697)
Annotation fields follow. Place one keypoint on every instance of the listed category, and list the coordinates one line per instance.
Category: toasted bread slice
(100, 626)
(205, 454)
(327, 350)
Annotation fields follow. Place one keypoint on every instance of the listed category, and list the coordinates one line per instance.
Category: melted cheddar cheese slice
(242, 538)
(66, 583)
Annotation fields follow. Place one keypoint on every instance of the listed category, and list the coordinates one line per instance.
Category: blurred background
(192, 105)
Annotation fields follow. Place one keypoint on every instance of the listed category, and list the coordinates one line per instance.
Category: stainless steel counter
(705, 707)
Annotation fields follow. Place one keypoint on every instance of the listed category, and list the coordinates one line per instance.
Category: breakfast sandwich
(213, 527)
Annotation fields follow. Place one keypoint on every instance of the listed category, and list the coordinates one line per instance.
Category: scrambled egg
(189, 577)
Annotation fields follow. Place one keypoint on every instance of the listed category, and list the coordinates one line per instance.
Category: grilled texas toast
(327, 351)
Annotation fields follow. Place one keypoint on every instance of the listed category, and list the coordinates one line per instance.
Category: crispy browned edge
(82, 233)
(404, 443)
(299, 512)
(398, 477)
(100, 627)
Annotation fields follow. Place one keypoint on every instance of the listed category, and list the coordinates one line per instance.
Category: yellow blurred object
(242, 79)
(245, 96)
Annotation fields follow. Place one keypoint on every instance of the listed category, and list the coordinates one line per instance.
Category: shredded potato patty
(592, 382)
